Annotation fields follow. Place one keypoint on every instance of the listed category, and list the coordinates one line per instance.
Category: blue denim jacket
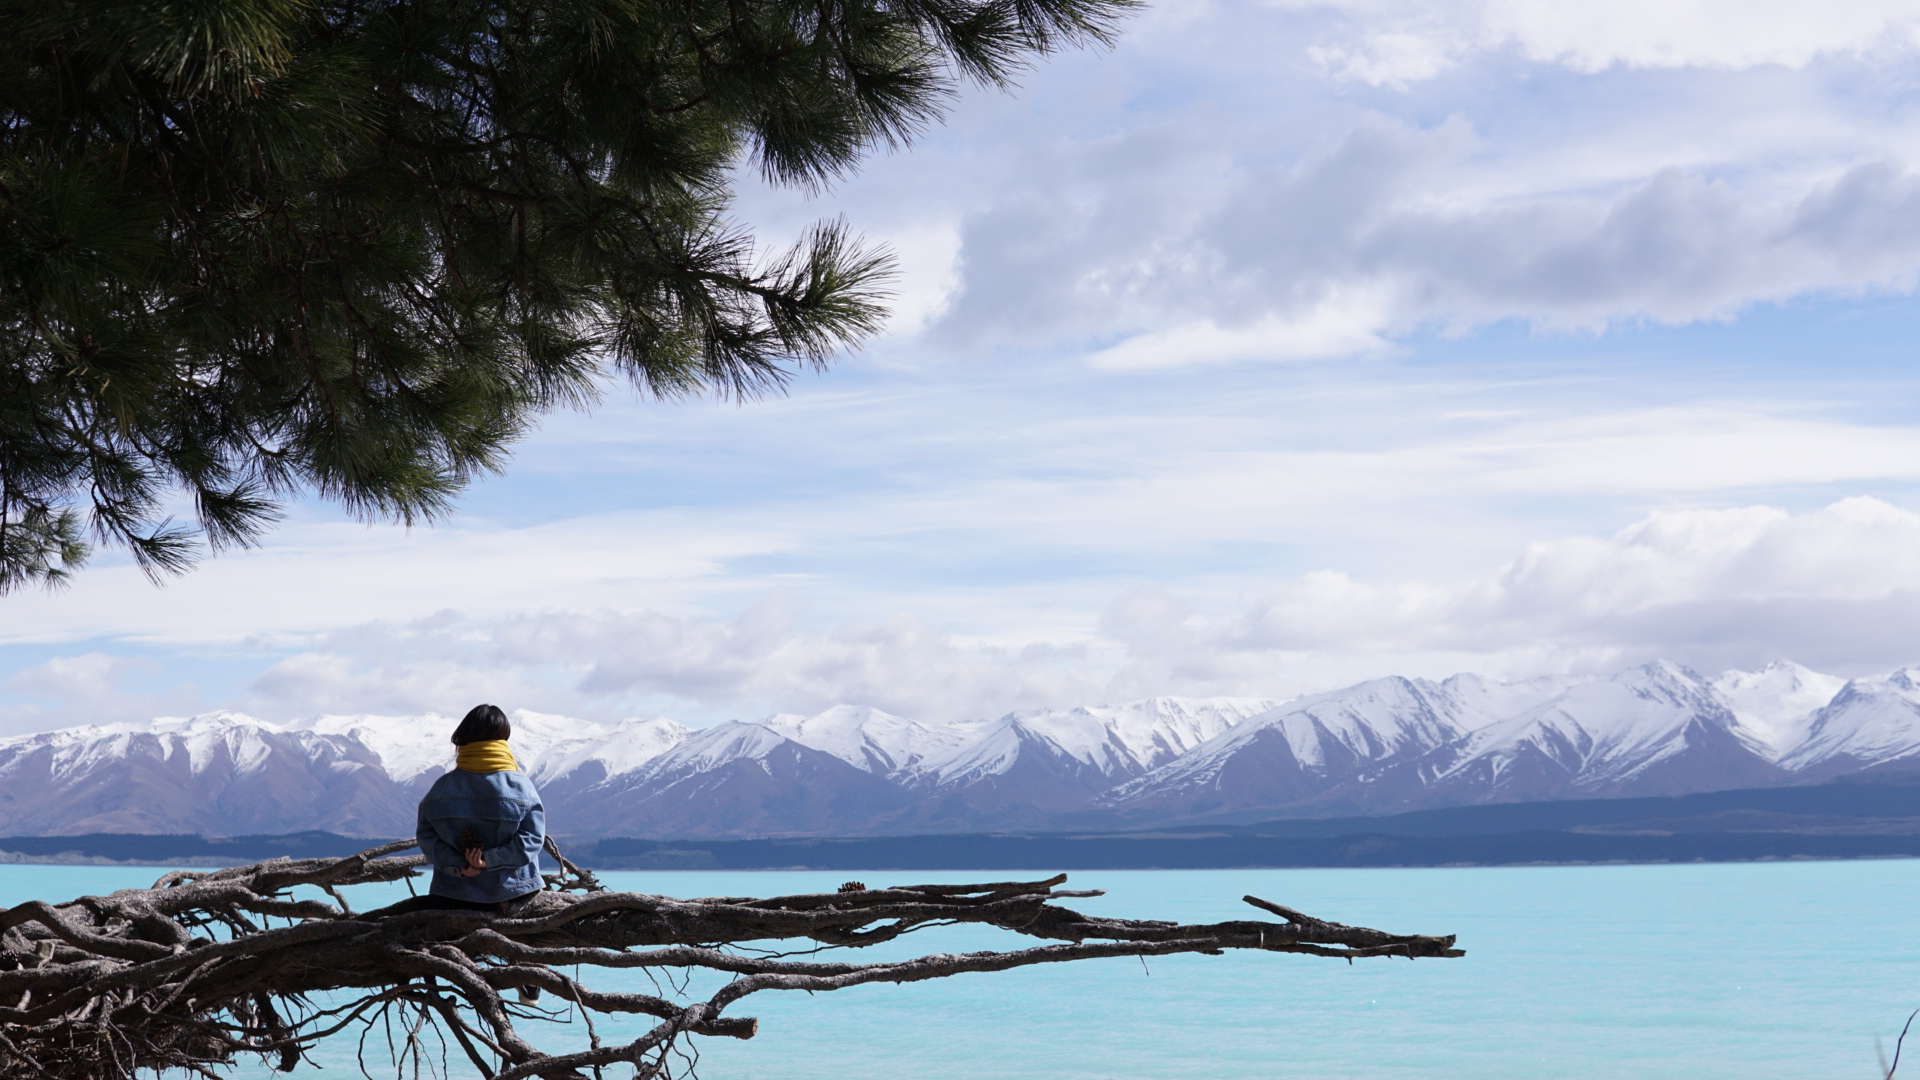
(505, 810)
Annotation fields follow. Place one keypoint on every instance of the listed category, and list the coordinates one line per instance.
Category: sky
(1283, 345)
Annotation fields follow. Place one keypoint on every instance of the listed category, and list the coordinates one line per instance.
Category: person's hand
(476, 862)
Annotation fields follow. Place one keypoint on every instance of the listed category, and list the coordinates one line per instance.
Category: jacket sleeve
(440, 854)
(524, 846)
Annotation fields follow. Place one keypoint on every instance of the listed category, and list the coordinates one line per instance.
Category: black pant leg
(429, 902)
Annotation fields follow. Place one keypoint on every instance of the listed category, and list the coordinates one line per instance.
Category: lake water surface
(1705, 972)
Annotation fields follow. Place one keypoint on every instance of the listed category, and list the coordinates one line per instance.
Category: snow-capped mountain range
(1382, 746)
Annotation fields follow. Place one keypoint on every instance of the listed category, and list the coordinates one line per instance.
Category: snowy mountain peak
(868, 739)
(1664, 679)
(1478, 701)
(1374, 719)
(1152, 731)
(623, 748)
(1871, 721)
(1907, 679)
(412, 748)
(1110, 741)
(409, 747)
(1299, 749)
(1631, 732)
(199, 722)
(1776, 702)
(220, 739)
(712, 747)
(1383, 745)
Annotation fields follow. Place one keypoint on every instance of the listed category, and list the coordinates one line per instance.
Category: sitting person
(481, 825)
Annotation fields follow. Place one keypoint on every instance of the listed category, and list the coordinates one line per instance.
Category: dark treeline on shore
(1211, 853)
(185, 849)
(1827, 821)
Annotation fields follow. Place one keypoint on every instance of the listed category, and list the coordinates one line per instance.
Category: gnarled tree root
(206, 966)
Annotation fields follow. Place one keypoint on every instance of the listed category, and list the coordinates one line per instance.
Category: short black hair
(483, 722)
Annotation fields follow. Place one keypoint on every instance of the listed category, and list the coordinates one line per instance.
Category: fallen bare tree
(207, 966)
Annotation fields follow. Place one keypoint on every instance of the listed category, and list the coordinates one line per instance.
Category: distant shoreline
(1845, 820)
(14, 858)
(9, 858)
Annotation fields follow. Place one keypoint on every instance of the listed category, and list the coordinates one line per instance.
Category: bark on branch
(207, 966)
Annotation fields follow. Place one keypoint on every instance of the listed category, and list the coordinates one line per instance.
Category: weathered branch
(193, 972)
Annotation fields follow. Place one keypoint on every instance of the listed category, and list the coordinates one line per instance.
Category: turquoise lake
(1707, 971)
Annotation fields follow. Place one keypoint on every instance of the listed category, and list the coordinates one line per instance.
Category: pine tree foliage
(251, 248)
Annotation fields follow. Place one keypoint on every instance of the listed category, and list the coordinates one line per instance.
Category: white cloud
(1228, 186)
(1836, 588)
(1671, 450)
(1340, 325)
(768, 658)
(88, 675)
(1697, 33)
(1010, 520)
(1385, 234)
(1855, 550)
(928, 257)
(319, 682)
(1397, 43)
(92, 687)
(314, 576)
(1395, 58)
(1235, 184)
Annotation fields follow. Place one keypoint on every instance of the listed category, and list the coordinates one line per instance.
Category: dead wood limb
(207, 966)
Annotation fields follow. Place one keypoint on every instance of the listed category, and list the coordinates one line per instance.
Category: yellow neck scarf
(488, 756)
